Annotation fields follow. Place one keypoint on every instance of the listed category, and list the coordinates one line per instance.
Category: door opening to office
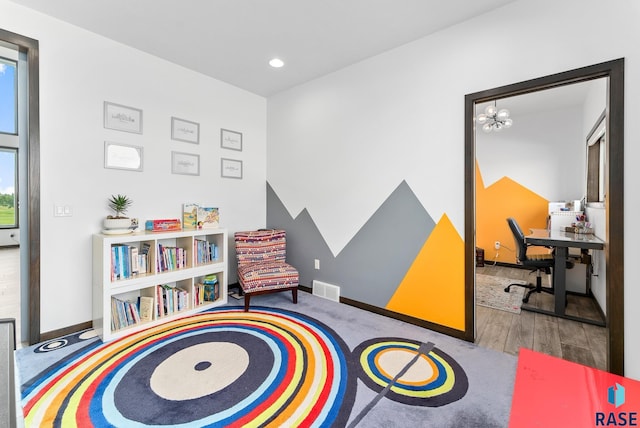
(517, 164)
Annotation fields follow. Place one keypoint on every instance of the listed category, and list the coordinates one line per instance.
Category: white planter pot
(116, 223)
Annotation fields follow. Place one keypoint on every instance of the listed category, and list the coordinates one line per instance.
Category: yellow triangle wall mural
(433, 288)
(505, 198)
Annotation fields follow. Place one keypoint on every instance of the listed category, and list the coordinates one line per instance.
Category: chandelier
(494, 119)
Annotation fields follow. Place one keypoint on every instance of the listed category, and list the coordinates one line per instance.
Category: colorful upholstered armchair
(262, 266)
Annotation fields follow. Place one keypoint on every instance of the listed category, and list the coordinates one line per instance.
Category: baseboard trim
(405, 318)
(54, 334)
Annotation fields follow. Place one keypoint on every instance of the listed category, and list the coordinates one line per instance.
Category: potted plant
(119, 204)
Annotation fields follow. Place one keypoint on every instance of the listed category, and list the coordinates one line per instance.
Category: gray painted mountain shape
(371, 266)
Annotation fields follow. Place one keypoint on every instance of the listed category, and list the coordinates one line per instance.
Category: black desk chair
(539, 263)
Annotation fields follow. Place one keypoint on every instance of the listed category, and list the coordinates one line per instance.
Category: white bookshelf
(106, 287)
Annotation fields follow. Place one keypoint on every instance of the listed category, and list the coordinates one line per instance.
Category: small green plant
(120, 204)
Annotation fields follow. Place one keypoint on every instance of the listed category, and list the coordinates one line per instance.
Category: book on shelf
(171, 299)
(163, 225)
(205, 251)
(189, 216)
(170, 258)
(124, 313)
(127, 261)
(210, 288)
(145, 307)
(208, 217)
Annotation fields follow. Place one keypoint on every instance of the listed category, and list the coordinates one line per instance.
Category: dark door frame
(30, 48)
(614, 204)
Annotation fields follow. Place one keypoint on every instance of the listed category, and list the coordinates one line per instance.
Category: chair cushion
(535, 252)
(267, 276)
(261, 246)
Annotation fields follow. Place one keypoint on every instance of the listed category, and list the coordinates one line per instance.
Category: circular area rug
(218, 368)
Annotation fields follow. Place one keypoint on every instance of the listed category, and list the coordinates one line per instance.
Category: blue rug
(317, 363)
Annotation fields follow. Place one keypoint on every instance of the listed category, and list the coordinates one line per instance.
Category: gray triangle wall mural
(374, 262)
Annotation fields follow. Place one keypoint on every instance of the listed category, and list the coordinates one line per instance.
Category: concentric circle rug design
(430, 378)
(267, 367)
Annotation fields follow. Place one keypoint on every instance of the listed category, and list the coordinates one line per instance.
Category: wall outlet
(496, 245)
(316, 264)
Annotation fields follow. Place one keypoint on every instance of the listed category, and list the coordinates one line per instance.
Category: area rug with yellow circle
(226, 367)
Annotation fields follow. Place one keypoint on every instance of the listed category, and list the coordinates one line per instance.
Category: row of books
(128, 260)
(205, 251)
(170, 258)
(125, 313)
(171, 300)
(208, 290)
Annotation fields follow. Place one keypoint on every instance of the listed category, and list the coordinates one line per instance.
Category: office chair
(539, 263)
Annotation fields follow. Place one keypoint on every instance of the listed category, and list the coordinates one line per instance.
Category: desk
(561, 241)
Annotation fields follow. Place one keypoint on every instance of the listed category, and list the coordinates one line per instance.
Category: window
(596, 162)
(8, 180)
(8, 97)
(8, 138)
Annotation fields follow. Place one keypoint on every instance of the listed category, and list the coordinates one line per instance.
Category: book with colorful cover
(208, 218)
(211, 288)
(189, 216)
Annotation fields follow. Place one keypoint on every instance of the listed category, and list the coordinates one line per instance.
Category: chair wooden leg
(247, 297)
(295, 295)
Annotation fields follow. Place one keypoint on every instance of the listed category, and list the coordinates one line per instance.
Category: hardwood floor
(10, 285)
(571, 340)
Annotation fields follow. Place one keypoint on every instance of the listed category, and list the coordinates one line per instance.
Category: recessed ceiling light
(276, 63)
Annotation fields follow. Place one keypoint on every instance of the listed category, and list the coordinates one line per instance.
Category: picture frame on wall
(185, 163)
(123, 156)
(122, 118)
(231, 168)
(185, 130)
(230, 139)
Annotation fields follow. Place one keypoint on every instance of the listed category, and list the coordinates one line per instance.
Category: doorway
(613, 71)
(30, 201)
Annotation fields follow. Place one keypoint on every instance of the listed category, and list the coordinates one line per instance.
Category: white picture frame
(230, 139)
(231, 168)
(123, 156)
(185, 163)
(122, 118)
(185, 130)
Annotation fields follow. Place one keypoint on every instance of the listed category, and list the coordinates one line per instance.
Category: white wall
(542, 151)
(78, 72)
(350, 137)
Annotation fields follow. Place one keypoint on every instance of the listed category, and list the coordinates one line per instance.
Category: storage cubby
(172, 266)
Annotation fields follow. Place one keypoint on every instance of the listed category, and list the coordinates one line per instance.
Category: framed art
(122, 118)
(230, 139)
(185, 163)
(122, 156)
(231, 168)
(185, 130)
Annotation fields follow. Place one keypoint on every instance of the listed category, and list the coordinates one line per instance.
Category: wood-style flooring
(571, 340)
(10, 284)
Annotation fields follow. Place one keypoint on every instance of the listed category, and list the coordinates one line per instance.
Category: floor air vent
(328, 291)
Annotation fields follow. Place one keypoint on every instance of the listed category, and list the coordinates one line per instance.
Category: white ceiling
(232, 40)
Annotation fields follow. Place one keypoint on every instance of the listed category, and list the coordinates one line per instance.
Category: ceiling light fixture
(494, 119)
(276, 63)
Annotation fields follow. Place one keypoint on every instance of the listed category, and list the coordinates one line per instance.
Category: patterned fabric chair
(262, 268)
